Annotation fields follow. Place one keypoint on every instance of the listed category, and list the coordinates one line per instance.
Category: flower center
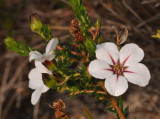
(118, 68)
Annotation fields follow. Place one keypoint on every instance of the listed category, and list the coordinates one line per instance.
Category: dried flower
(75, 30)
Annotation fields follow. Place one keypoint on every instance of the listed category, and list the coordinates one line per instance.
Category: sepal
(49, 81)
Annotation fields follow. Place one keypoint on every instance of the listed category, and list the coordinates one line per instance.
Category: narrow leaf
(126, 111)
(16, 46)
(90, 46)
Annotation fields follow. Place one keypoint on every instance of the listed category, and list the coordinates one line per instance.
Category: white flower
(36, 83)
(35, 75)
(49, 52)
(119, 67)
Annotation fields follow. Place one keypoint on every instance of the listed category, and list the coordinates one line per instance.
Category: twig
(88, 91)
(66, 28)
(149, 20)
(5, 112)
(65, 1)
(88, 114)
(35, 112)
(3, 85)
(19, 96)
(16, 74)
(148, 1)
(110, 10)
(136, 15)
(131, 10)
(121, 115)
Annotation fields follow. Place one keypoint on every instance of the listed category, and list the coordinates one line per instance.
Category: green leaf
(158, 31)
(16, 46)
(90, 46)
(120, 103)
(46, 32)
(100, 40)
(97, 24)
(112, 110)
(126, 111)
(49, 81)
(74, 88)
(97, 30)
(156, 36)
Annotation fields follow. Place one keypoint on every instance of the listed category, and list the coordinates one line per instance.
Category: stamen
(117, 68)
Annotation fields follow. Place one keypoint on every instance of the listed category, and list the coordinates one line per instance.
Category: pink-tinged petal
(100, 69)
(49, 56)
(36, 95)
(35, 55)
(116, 85)
(35, 79)
(131, 54)
(138, 74)
(41, 68)
(107, 52)
(51, 45)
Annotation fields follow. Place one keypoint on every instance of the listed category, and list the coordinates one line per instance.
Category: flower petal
(116, 86)
(36, 95)
(107, 52)
(138, 74)
(45, 89)
(131, 54)
(100, 69)
(41, 68)
(49, 56)
(51, 45)
(35, 55)
(35, 79)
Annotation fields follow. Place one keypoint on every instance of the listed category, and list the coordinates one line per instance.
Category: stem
(121, 115)
(87, 113)
(118, 45)
(120, 101)
(65, 28)
(94, 37)
(87, 91)
(91, 32)
(64, 75)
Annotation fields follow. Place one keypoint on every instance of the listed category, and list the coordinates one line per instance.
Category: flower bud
(35, 23)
